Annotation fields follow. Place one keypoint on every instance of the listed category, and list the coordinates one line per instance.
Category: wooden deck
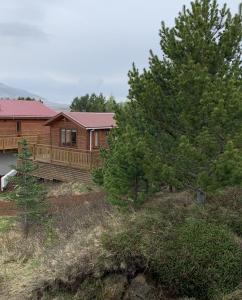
(61, 173)
(74, 158)
(11, 142)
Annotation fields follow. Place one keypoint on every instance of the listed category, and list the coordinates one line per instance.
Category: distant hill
(13, 93)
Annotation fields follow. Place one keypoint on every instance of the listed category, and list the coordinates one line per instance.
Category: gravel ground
(6, 159)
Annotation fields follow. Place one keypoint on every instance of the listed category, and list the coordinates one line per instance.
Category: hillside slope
(92, 251)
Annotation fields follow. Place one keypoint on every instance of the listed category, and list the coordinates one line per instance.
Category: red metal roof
(89, 120)
(24, 109)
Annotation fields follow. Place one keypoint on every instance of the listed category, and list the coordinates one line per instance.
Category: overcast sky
(59, 49)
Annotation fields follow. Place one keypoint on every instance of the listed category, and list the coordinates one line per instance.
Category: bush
(196, 259)
(97, 176)
(201, 261)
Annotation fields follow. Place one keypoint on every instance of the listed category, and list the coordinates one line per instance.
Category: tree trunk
(26, 226)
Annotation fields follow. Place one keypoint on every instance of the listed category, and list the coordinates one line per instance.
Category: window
(68, 137)
(63, 137)
(96, 139)
(73, 137)
(18, 126)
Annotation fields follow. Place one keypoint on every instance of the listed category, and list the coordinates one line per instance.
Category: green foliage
(5, 224)
(51, 234)
(28, 193)
(94, 103)
(97, 176)
(123, 175)
(195, 259)
(224, 209)
(184, 112)
(202, 261)
(29, 99)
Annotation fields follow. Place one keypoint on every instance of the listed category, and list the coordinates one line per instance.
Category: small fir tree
(28, 194)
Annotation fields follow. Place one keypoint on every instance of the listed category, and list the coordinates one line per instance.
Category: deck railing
(11, 142)
(65, 156)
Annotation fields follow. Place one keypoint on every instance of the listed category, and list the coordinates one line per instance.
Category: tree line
(94, 103)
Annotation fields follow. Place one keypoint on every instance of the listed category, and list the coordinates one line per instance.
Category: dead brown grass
(67, 249)
(70, 238)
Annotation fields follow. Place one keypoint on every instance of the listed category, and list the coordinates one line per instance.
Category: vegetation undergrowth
(5, 223)
(191, 250)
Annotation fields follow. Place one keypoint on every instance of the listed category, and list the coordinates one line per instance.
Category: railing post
(69, 157)
(51, 154)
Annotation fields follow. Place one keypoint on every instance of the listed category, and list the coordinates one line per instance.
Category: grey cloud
(21, 30)
(59, 49)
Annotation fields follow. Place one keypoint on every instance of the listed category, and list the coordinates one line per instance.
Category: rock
(139, 289)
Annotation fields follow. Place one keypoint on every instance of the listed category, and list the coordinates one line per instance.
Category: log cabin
(85, 131)
(22, 118)
(75, 142)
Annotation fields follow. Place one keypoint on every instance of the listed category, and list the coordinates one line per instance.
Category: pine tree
(28, 194)
(124, 177)
(93, 103)
(193, 95)
(187, 106)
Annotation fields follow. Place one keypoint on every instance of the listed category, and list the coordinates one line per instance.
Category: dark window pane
(73, 137)
(18, 126)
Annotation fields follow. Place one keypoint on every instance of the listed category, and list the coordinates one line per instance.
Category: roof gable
(12, 109)
(88, 120)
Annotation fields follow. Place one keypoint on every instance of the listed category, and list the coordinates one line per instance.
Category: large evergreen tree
(187, 106)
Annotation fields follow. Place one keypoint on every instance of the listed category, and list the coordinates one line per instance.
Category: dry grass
(71, 238)
(70, 189)
(68, 248)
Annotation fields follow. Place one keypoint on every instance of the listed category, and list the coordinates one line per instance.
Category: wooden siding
(7, 127)
(61, 173)
(83, 135)
(11, 142)
(34, 127)
(28, 127)
(102, 137)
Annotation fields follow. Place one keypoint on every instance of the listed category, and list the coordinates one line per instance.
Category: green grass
(5, 223)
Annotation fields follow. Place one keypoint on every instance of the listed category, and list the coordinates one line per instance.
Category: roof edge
(65, 116)
(24, 117)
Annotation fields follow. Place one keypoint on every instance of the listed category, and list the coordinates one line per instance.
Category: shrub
(97, 176)
(197, 259)
(201, 261)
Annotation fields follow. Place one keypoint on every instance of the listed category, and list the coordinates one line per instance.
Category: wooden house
(20, 118)
(85, 131)
(75, 141)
